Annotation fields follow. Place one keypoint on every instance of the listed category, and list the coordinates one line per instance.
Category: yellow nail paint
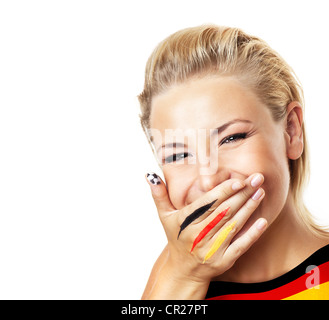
(219, 240)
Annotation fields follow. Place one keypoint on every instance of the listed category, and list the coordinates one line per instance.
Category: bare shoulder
(153, 276)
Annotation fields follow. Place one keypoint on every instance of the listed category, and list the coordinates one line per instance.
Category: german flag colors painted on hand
(219, 240)
(208, 227)
(195, 215)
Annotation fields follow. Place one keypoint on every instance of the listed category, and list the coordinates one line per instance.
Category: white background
(77, 219)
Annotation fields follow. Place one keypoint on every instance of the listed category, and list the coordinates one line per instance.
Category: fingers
(239, 246)
(248, 198)
(205, 212)
(213, 220)
(207, 203)
(226, 233)
(252, 191)
(195, 215)
(208, 228)
(222, 192)
(159, 194)
(235, 202)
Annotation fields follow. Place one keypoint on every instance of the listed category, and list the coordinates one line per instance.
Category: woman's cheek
(271, 161)
(243, 161)
(179, 180)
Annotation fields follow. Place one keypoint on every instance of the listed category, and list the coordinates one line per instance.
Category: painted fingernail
(153, 178)
(258, 194)
(261, 224)
(237, 185)
(257, 180)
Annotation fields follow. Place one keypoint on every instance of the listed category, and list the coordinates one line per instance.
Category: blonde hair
(212, 49)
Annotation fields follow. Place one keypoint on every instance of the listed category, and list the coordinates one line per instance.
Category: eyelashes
(195, 215)
(176, 157)
(233, 138)
(227, 140)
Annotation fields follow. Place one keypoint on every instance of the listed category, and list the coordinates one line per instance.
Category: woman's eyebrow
(171, 145)
(223, 127)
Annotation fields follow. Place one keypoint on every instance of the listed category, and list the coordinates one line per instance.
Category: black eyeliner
(241, 135)
(174, 157)
(195, 215)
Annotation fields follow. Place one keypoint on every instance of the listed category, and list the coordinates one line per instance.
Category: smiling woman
(223, 113)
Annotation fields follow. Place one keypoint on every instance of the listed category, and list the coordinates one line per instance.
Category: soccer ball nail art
(153, 178)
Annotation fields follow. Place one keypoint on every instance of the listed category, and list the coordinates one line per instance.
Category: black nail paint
(195, 215)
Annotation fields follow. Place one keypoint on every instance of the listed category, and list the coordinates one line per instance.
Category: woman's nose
(210, 177)
(210, 169)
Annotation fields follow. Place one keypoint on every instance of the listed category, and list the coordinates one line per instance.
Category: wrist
(175, 284)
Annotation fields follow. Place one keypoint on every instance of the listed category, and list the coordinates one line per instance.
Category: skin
(269, 237)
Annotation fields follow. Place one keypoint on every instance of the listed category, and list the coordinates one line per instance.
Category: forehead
(205, 103)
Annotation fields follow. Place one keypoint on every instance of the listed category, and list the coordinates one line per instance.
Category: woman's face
(227, 133)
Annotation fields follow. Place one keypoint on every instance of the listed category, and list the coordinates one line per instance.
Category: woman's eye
(233, 138)
(176, 157)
